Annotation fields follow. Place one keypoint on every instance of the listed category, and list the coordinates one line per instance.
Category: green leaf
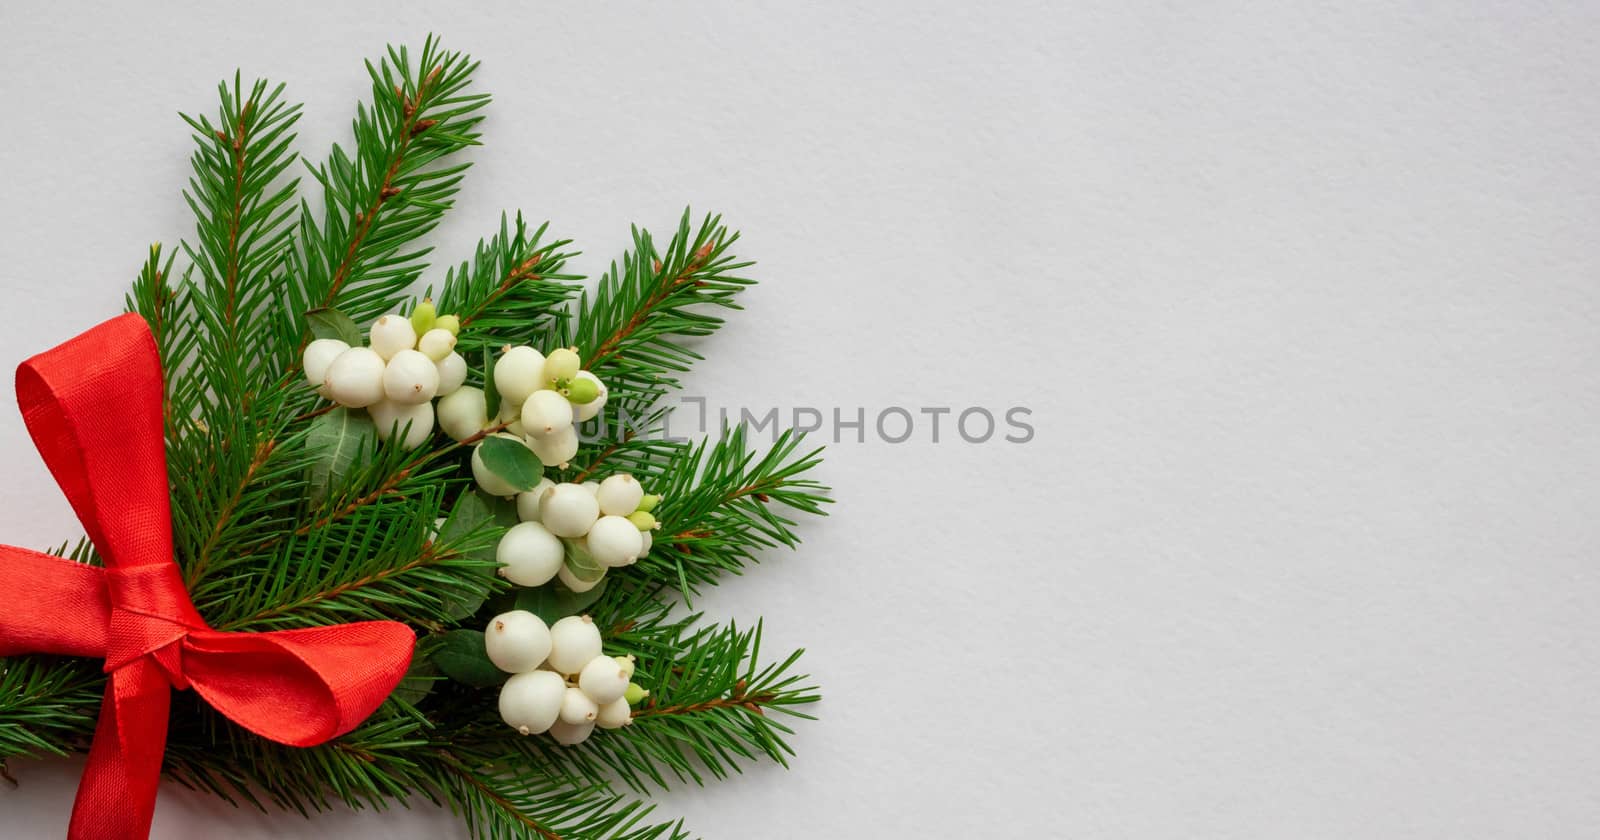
(471, 513)
(326, 322)
(581, 563)
(418, 681)
(491, 394)
(554, 601)
(462, 657)
(334, 440)
(511, 460)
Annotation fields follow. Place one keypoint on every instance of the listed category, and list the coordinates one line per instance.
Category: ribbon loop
(297, 687)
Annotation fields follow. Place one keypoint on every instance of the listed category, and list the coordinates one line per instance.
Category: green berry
(448, 323)
(634, 694)
(562, 363)
(424, 316)
(648, 503)
(581, 391)
(642, 520)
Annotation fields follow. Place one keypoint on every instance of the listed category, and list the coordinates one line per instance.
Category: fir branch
(722, 504)
(47, 704)
(512, 290)
(503, 802)
(630, 331)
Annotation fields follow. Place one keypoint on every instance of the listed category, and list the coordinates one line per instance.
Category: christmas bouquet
(352, 541)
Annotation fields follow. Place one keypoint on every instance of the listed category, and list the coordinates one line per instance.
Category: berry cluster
(542, 398)
(408, 362)
(576, 532)
(561, 682)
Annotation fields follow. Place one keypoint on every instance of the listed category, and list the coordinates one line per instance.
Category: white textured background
(1304, 302)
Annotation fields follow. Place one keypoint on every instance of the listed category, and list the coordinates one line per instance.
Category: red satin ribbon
(94, 408)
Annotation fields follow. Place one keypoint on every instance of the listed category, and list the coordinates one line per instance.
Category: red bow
(94, 408)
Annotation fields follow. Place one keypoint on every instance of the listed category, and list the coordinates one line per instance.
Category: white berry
(575, 583)
(614, 715)
(529, 555)
(531, 702)
(391, 334)
(528, 503)
(568, 510)
(463, 413)
(318, 356)
(545, 413)
(576, 707)
(517, 641)
(416, 421)
(620, 495)
(603, 679)
(452, 373)
(355, 378)
(491, 483)
(562, 363)
(574, 641)
(410, 378)
(645, 541)
(516, 373)
(556, 450)
(593, 487)
(570, 734)
(592, 408)
(437, 344)
(614, 541)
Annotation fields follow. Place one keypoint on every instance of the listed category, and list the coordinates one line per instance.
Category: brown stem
(203, 557)
(427, 558)
(519, 274)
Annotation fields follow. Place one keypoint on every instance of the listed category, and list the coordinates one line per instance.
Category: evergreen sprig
(288, 512)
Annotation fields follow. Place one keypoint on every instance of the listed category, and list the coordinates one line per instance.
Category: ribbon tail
(52, 605)
(117, 797)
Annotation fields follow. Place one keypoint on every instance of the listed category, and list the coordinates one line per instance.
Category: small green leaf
(472, 513)
(511, 460)
(417, 682)
(554, 601)
(462, 657)
(331, 323)
(335, 439)
(491, 395)
(581, 563)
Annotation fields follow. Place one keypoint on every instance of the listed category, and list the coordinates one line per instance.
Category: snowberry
(463, 413)
(592, 408)
(436, 344)
(645, 541)
(318, 356)
(452, 373)
(635, 693)
(528, 503)
(574, 641)
(642, 520)
(529, 555)
(545, 413)
(531, 702)
(556, 450)
(614, 541)
(575, 583)
(449, 323)
(517, 641)
(571, 734)
(614, 715)
(604, 680)
(516, 373)
(410, 378)
(626, 664)
(620, 494)
(492, 483)
(562, 363)
(391, 334)
(355, 378)
(576, 707)
(568, 510)
(415, 421)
